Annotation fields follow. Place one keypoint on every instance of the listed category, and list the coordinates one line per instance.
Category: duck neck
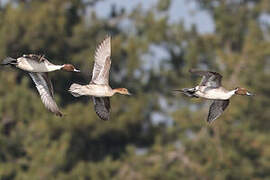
(114, 91)
(53, 67)
(231, 93)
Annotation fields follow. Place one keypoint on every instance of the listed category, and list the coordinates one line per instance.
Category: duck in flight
(36, 63)
(99, 87)
(210, 88)
(38, 67)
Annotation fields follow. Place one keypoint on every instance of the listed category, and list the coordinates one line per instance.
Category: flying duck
(36, 63)
(99, 87)
(210, 88)
(38, 67)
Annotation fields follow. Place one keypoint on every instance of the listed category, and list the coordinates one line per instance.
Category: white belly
(99, 90)
(216, 93)
(33, 66)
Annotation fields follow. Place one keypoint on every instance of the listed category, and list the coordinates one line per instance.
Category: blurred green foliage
(134, 145)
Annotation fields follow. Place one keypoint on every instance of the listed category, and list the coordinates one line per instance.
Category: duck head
(242, 91)
(69, 67)
(123, 91)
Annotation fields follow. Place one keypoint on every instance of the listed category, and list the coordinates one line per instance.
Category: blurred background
(153, 134)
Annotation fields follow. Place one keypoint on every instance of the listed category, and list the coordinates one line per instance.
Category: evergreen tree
(152, 134)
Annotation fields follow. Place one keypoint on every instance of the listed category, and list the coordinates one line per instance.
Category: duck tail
(77, 90)
(9, 61)
(190, 92)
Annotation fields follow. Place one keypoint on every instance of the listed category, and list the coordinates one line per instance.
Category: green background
(153, 134)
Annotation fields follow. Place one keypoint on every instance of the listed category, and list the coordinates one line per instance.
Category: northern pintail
(38, 67)
(210, 88)
(99, 87)
(36, 63)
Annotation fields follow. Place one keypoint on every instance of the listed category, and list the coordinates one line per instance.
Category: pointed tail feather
(176, 91)
(190, 92)
(9, 61)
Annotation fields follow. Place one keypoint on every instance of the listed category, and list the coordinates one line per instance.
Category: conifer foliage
(152, 134)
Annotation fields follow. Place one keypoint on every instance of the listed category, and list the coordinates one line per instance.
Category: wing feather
(102, 62)
(45, 91)
(216, 109)
(102, 107)
(209, 78)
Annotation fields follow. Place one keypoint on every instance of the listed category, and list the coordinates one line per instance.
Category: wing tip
(216, 73)
(105, 43)
(107, 39)
(58, 113)
(105, 119)
(210, 121)
(108, 36)
(102, 117)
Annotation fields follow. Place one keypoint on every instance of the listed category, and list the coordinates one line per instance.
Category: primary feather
(45, 90)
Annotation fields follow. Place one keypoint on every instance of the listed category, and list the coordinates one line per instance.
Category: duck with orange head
(99, 87)
(243, 92)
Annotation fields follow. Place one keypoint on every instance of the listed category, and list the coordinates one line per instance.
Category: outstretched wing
(45, 89)
(102, 107)
(102, 62)
(216, 109)
(209, 78)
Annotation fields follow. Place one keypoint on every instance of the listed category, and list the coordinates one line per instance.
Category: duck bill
(129, 94)
(76, 70)
(250, 94)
